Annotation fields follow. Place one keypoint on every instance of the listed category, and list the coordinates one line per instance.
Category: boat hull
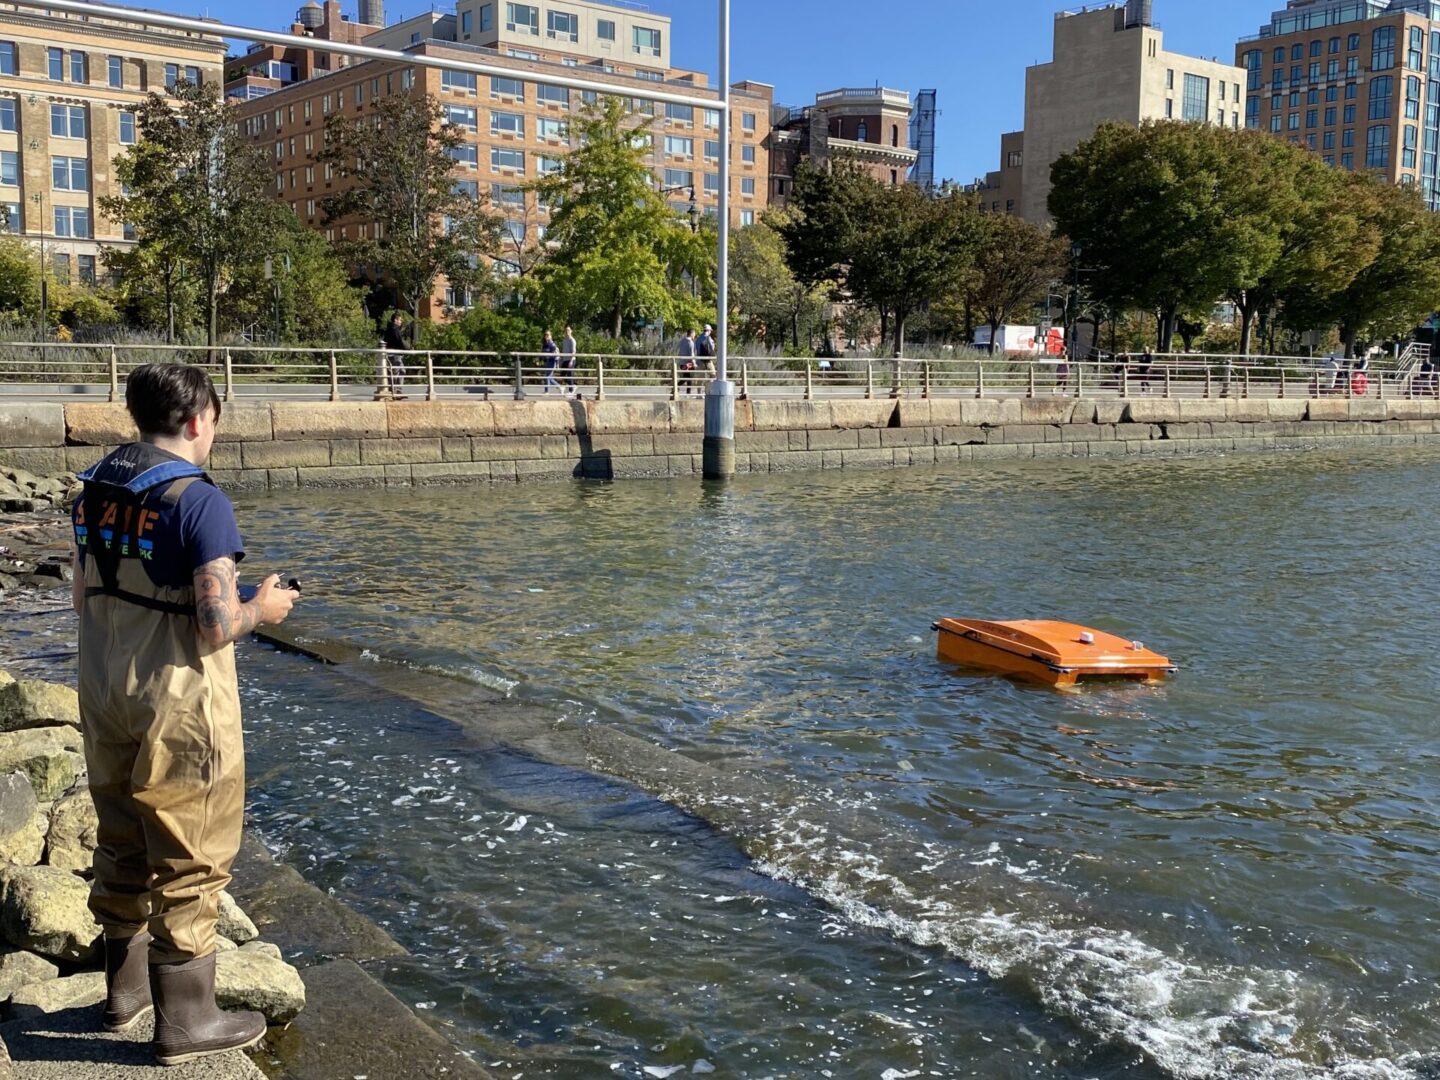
(1046, 653)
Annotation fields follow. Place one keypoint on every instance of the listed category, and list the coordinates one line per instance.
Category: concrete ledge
(439, 419)
(500, 448)
(399, 451)
(612, 417)
(330, 420)
(32, 424)
(282, 455)
(1368, 409)
(40, 460)
(1153, 412)
(556, 417)
(689, 415)
(342, 476)
(1207, 411)
(245, 422)
(869, 414)
(791, 415)
(450, 472)
(1327, 409)
(1287, 409)
(99, 424)
(1047, 410)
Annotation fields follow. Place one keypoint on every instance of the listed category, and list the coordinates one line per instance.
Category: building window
(1312, 118)
(115, 70)
(1347, 137)
(1196, 102)
(747, 154)
(67, 121)
(1329, 140)
(1330, 116)
(7, 58)
(675, 178)
(172, 76)
(1349, 114)
(1415, 60)
(547, 127)
(127, 128)
(1412, 97)
(464, 155)
(458, 82)
(505, 195)
(747, 186)
(462, 116)
(507, 159)
(1275, 123)
(1297, 51)
(1377, 147)
(78, 67)
(487, 17)
(56, 64)
(85, 264)
(1169, 78)
(12, 220)
(712, 149)
(1381, 90)
(647, 41)
(469, 189)
(1352, 42)
(1252, 112)
(553, 95)
(7, 114)
(1334, 45)
(679, 146)
(522, 19)
(507, 124)
(1382, 48)
(747, 122)
(605, 29)
(1294, 122)
(562, 25)
(500, 87)
(72, 221)
(1279, 55)
(10, 168)
(70, 174)
(60, 262)
(544, 165)
(681, 114)
(467, 22)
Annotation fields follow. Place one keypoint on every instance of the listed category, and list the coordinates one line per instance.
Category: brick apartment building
(869, 126)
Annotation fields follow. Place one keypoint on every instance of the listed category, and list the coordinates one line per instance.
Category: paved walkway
(68, 1045)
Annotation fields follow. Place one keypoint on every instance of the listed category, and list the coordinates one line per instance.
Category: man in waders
(156, 548)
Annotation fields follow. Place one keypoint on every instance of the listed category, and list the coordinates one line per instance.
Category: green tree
(895, 249)
(1165, 215)
(307, 292)
(195, 191)
(617, 250)
(397, 158)
(153, 289)
(767, 301)
(1015, 262)
(1400, 285)
(19, 279)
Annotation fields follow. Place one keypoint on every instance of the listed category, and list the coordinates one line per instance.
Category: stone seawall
(300, 444)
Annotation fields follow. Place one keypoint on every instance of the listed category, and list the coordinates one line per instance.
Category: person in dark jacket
(395, 344)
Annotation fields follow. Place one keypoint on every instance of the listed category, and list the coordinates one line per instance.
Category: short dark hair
(163, 397)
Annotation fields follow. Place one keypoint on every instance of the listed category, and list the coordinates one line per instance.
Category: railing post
(744, 380)
(1247, 382)
(114, 374)
(1282, 380)
(869, 380)
(1032, 379)
(429, 375)
(519, 379)
(334, 378)
(1167, 383)
(229, 377)
(599, 379)
(1080, 379)
(925, 393)
(1380, 384)
(809, 382)
(1207, 380)
(674, 380)
(1124, 381)
(1349, 386)
(979, 379)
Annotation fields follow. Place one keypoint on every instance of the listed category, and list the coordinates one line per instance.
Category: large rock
(49, 757)
(56, 995)
(70, 842)
(20, 968)
(17, 802)
(28, 703)
(45, 910)
(234, 923)
(249, 979)
(6, 678)
(24, 846)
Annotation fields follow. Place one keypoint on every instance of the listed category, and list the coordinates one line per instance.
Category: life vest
(113, 521)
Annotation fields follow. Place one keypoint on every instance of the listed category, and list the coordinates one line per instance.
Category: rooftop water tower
(311, 16)
(372, 12)
(1139, 13)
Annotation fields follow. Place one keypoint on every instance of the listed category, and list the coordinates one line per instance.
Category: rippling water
(914, 871)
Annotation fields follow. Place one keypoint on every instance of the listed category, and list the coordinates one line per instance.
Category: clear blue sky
(974, 52)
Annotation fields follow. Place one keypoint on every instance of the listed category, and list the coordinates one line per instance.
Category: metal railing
(98, 371)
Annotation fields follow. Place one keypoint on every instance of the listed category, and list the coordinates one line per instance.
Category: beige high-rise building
(69, 91)
(1110, 64)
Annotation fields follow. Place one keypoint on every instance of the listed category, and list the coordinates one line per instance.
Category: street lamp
(39, 200)
(693, 211)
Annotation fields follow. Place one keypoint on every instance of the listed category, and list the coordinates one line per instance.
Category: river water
(910, 870)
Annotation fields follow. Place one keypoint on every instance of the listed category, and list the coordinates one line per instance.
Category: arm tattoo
(217, 603)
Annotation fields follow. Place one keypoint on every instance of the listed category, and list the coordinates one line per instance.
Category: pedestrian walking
(395, 347)
(687, 359)
(552, 360)
(567, 359)
(156, 550)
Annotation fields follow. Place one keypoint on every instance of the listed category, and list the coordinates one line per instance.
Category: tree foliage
(397, 158)
(197, 194)
(892, 248)
(768, 302)
(617, 251)
(1015, 263)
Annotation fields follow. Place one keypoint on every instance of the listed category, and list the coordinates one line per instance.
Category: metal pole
(809, 383)
(599, 380)
(718, 457)
(229, 377)
(519, 381)
(869, 380)
(429, 376)
(334, 378)
(114, 375)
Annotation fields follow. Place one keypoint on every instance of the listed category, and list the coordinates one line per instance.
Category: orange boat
(1045, 651)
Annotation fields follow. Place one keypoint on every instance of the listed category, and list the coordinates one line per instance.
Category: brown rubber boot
(127, 981)
(188, 1024)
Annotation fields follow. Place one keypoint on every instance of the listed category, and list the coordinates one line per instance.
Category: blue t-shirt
(171, 542)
